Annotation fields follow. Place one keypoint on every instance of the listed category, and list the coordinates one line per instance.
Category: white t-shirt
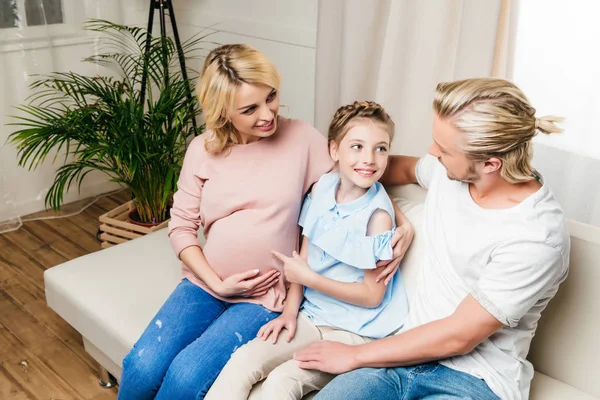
(512, 261)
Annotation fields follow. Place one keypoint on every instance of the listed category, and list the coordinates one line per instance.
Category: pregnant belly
(233, 250)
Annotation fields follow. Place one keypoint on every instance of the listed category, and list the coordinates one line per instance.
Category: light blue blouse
(340, 249)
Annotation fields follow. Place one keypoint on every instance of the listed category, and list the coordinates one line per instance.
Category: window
(557, 59)
(25, 20)
(556, 63)
(37, 12)
(46, 12)
(9, 14)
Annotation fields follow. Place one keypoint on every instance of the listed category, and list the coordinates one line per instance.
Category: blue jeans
(426, 381)
(188, 342)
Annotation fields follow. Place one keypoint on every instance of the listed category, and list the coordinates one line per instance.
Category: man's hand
(401, 240)
(246, 284)
(327, 356)
(296, 270)
(456, 334)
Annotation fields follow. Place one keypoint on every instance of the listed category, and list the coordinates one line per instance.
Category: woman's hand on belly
(247, 284)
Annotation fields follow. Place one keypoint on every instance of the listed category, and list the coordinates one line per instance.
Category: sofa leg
(106, 379)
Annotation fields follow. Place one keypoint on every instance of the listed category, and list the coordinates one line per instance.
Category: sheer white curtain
(27, 48)
(39, 37)
(555, 58)
(396, 51)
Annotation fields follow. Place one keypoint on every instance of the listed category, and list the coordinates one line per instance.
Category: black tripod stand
(162, 5)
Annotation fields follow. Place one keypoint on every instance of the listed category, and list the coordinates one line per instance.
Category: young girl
(347, 221)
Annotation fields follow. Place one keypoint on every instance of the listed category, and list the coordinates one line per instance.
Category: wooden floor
(41, 356)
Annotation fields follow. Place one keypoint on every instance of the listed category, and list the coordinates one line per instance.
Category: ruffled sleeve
(354, 249)
(339, 240)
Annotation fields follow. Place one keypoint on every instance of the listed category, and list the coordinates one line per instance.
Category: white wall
(284, 31)
(22, 191)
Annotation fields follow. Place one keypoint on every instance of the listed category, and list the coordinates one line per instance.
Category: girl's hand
(273, 328)
(401, 241)
(247, 284)
(296, 270)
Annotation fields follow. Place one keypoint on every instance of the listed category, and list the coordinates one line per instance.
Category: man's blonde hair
(497, 120)
(226, 68)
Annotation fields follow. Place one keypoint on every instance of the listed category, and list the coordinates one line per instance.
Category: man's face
(445, 147)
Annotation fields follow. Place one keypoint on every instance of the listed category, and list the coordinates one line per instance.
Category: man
(496, 251)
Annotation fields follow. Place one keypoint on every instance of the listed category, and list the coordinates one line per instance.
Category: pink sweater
(248, 202)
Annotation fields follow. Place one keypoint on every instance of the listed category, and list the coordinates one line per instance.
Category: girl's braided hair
(347, 116)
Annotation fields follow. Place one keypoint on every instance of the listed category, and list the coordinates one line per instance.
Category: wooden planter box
(115, 228)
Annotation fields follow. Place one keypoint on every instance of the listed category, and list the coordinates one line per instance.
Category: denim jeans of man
(426, 381)
(187, 343)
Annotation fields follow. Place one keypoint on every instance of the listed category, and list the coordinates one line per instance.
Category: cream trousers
(260, 359)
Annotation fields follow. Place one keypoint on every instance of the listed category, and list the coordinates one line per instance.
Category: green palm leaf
(98, 122)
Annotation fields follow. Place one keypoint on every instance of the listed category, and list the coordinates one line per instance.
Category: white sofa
(110, 296)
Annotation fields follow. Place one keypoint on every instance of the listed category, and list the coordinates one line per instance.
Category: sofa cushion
(110, 296)
(409, 268)
(542, 388)
(565, 346)
(545, 388)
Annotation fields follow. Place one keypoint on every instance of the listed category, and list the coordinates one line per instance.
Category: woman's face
(254, 113)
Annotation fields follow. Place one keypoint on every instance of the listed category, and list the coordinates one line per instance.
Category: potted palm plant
(134, 132)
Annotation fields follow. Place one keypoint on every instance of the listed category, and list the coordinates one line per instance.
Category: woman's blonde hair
(226, 68)
(349, 115)
(497, 121)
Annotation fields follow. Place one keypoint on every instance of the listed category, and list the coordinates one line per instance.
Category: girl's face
(362, 155)
(254, 113)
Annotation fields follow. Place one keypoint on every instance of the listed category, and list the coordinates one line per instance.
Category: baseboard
(9, 210)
